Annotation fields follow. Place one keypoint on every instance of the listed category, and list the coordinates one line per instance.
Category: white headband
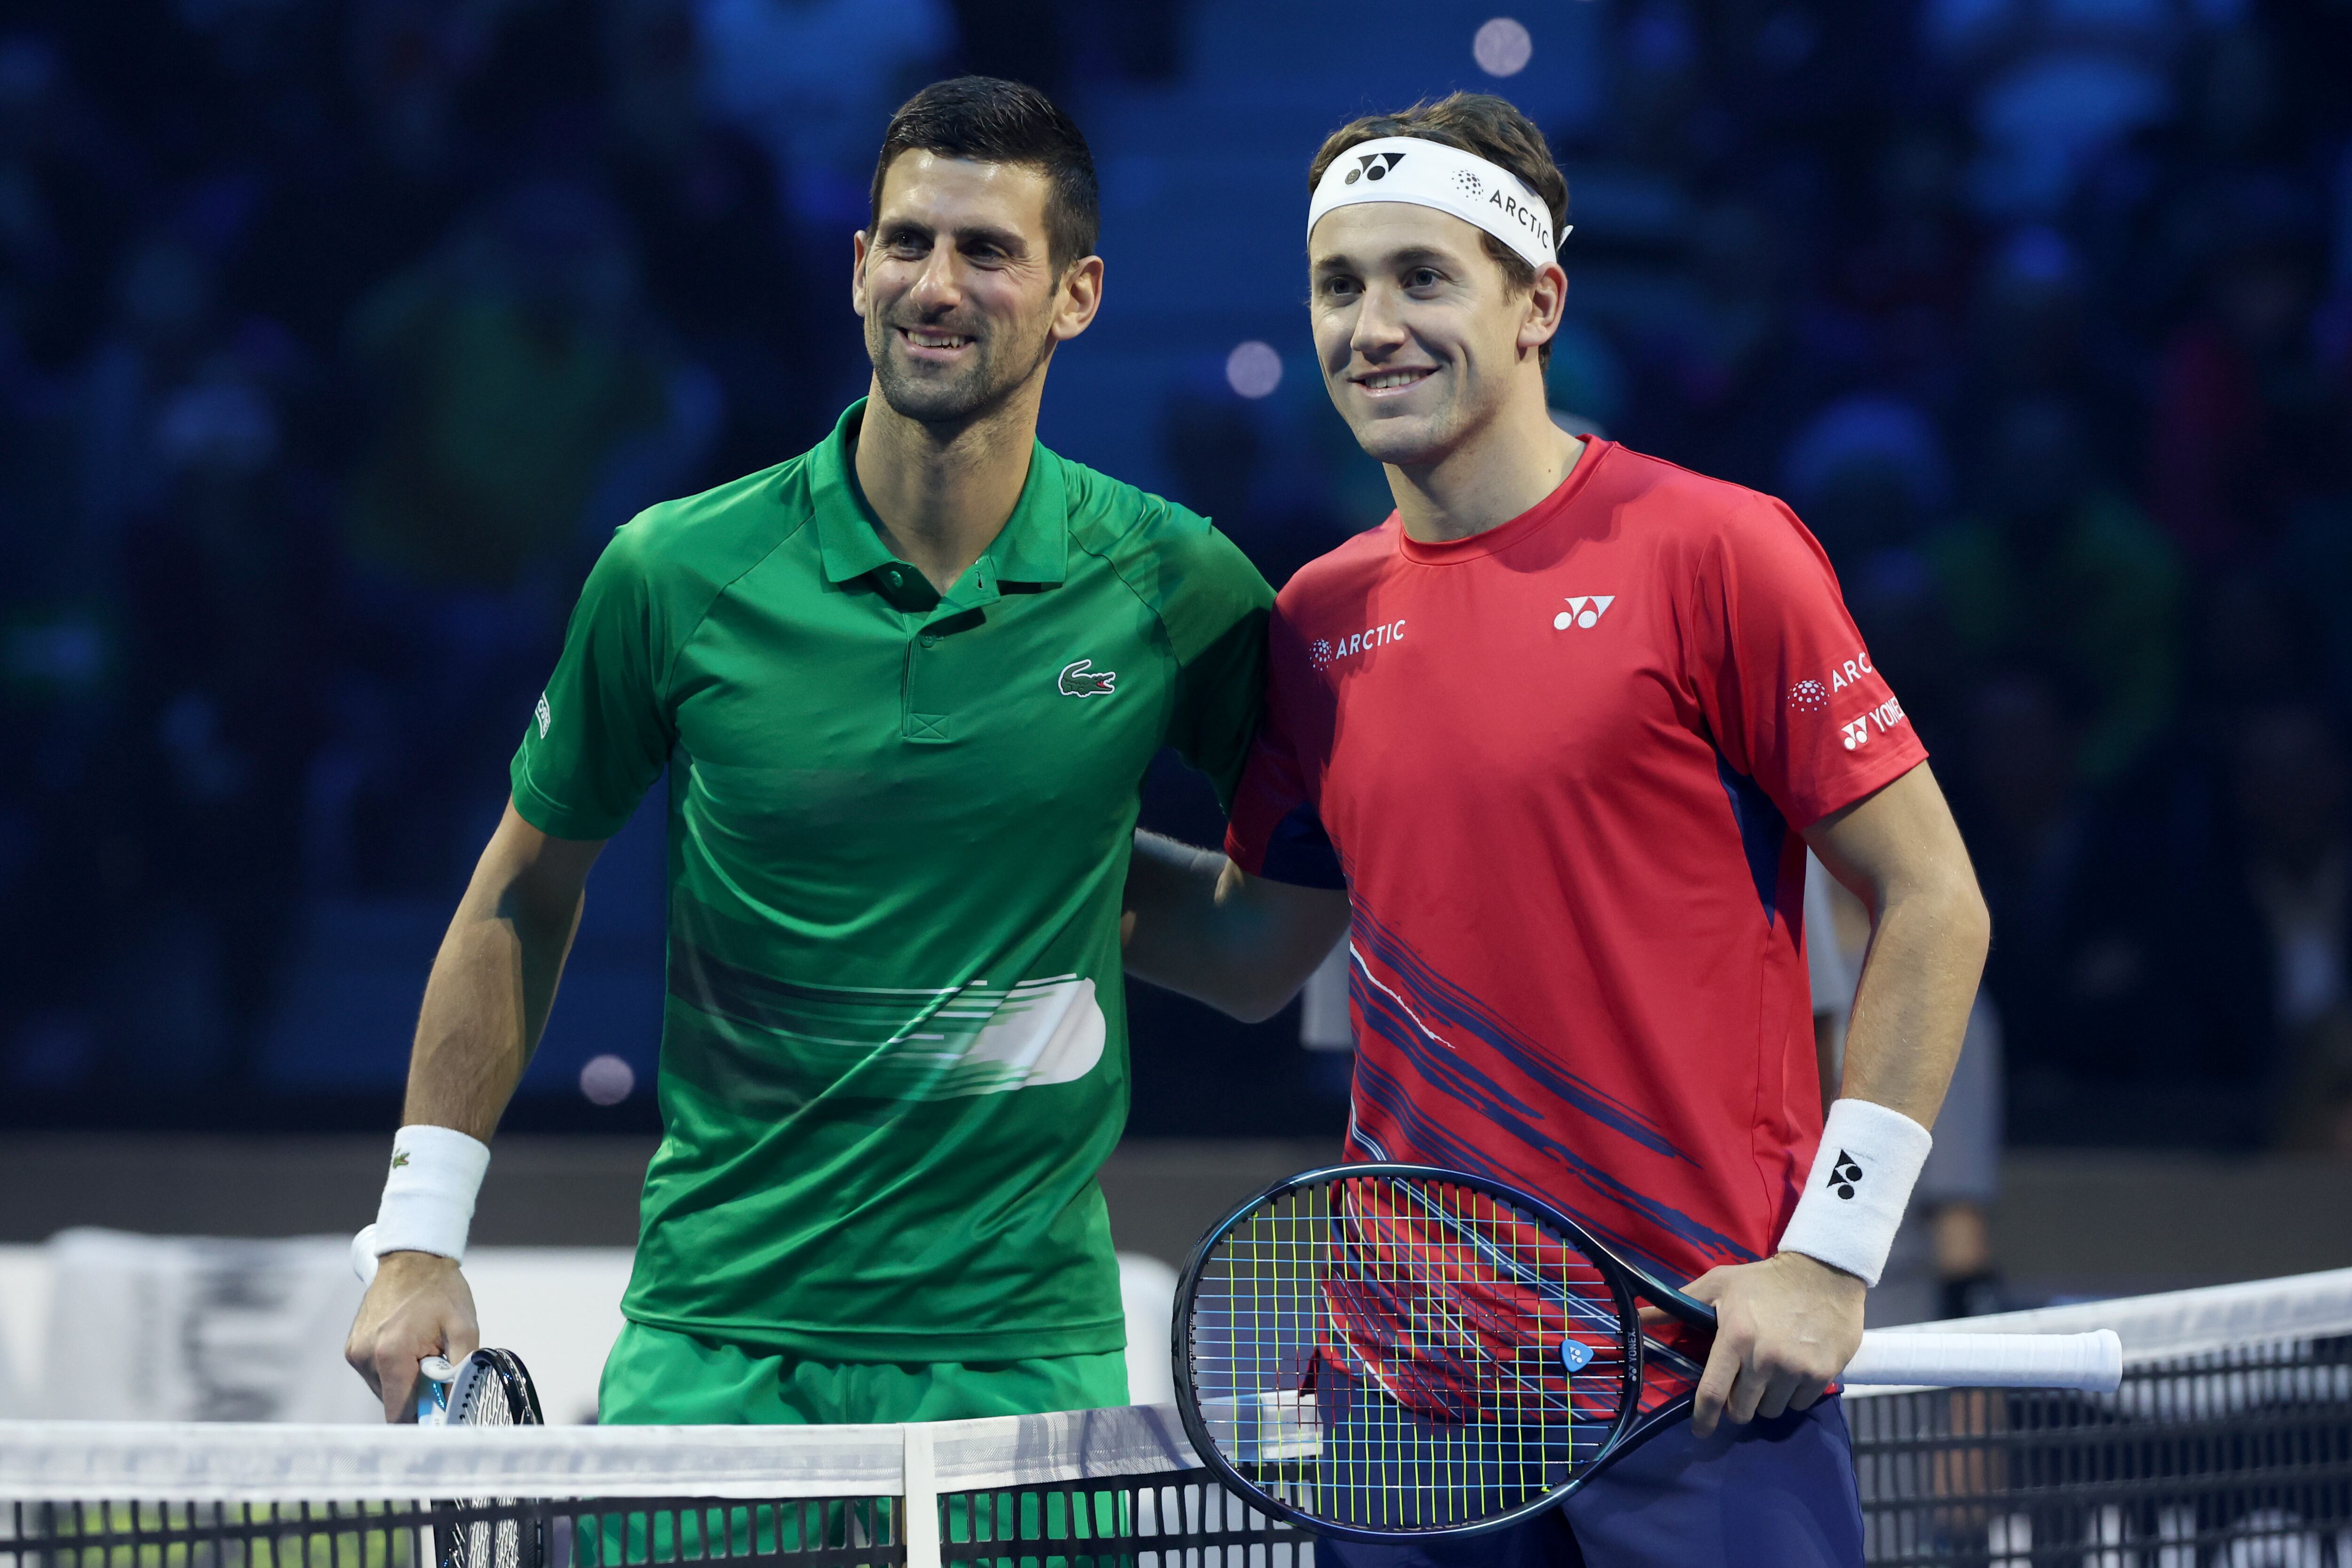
(1431, 175)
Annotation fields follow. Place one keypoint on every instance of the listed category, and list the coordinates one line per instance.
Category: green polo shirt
(894, 1048)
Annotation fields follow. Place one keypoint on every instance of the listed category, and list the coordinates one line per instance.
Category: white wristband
(1860, 1184)
(428, 1195)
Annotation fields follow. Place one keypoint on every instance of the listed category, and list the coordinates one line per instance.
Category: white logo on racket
(1575, 1355)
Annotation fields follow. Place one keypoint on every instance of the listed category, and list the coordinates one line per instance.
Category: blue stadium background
(335, 337)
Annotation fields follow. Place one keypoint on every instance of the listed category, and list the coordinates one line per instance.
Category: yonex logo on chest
(1584, 612)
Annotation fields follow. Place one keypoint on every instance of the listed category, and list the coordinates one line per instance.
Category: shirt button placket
(920, 725)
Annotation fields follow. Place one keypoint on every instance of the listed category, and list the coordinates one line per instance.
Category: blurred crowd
(2038, 312)
(334, 339)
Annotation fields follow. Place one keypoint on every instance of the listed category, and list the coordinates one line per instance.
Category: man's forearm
(1241, 944)
(1899, 851)
(1179, 938)
(1911, 1009)
(492, 985)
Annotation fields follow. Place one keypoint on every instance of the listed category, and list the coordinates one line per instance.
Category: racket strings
(492, 1390)
(1388, 1351)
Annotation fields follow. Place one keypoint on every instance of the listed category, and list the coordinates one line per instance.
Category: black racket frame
(1628, 1286)
(493, 1376)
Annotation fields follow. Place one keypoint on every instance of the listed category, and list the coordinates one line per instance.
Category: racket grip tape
(2091, 1361)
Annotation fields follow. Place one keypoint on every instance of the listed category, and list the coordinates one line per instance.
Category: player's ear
(1547, 305)
(857, 273)
(1079, 297)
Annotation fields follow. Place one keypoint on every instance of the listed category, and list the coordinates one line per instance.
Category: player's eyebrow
(1010, 241)
(1395, 260)
(1421, 256)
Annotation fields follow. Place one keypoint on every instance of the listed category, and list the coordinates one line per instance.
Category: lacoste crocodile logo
(400, 1159)
(1082, 680)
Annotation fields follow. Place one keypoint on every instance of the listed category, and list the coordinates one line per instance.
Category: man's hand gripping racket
(1384, 1350)
(413, 1331)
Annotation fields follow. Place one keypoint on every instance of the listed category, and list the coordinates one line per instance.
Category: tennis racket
(489, 1388)
(1392, 1350)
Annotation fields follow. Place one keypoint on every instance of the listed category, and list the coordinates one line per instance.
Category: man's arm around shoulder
(1197, 924)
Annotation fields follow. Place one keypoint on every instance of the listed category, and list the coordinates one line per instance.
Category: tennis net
(1084, 1490)
(2229, 1445)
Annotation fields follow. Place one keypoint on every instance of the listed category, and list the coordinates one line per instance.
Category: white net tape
(230, 1462)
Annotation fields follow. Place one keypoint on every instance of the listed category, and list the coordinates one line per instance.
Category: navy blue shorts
(1772, 1494)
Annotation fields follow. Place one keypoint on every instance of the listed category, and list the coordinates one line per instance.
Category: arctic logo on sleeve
(1083, 680)
(1325, 652)
(544, 714)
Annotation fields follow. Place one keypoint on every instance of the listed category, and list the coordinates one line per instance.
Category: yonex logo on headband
(1430, 174)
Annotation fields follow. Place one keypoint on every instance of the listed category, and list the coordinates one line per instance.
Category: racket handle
(435, 1374)
(2091, 1361)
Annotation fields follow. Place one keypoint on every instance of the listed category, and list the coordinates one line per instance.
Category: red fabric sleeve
(1277, 830)
(1781, 675)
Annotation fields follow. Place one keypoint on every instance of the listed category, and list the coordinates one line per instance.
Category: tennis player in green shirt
(906, 686)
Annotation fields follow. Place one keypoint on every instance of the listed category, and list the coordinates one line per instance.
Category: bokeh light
(1502, 47)
(607, 1080)
(1253, 369)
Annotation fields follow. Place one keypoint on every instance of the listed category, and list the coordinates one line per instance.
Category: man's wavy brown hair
(1475, 122)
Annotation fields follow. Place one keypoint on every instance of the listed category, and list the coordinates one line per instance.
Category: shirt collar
(1033, 547)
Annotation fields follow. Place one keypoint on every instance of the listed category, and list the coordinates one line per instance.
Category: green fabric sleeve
(600, 735)
(1216, 618)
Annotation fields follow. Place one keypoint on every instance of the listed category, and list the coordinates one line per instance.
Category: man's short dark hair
(1477, 122)
(994, 121)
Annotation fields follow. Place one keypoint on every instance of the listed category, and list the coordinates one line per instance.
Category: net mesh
(1180, 1518)
(2228, 1445)
(1088, 1489)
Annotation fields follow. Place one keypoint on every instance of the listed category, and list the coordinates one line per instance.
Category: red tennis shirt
(1556, 766)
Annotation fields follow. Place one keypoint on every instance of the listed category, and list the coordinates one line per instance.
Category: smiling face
(1422, 338)
(962, 301)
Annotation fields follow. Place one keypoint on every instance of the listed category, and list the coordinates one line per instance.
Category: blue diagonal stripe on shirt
(1446, 1004)
(1443, 1069)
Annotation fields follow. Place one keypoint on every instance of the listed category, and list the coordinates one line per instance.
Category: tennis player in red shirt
(1551, 743)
